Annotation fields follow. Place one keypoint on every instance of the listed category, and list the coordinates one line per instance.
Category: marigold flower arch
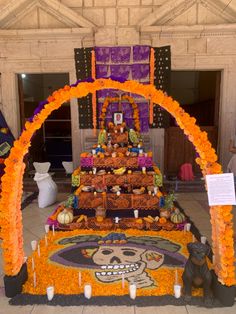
(12, 180)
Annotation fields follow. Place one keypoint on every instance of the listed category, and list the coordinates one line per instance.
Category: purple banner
(120, 70)
(102, 54)
(144, 124)
(102, 71)
(120, 54)
(140, 71)
(143, 109)
(107, 93)
(141, 53)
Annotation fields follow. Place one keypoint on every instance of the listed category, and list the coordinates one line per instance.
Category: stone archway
(12, 181)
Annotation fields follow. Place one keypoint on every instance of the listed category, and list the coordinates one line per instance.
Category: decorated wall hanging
(160, 78)
(141, 63)
(111, 100)
(12, 180)
(83, 66)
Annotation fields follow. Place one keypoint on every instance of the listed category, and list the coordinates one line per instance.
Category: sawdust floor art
(109, 261)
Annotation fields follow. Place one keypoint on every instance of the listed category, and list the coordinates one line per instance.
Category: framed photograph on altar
(118, 117)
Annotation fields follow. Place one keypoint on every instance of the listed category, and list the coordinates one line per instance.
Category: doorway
(53, 141)
(198, 93)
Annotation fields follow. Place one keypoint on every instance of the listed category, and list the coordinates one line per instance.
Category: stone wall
(40, 37)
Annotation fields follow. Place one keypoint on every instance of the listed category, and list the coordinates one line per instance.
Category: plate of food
(139, 191)
(150, 188)
(115, 189)
(87, 188)
(101, 172)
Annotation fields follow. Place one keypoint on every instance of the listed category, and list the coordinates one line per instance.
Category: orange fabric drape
(152, 68)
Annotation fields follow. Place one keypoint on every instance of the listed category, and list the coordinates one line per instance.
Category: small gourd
(65, 217)
(177, 217)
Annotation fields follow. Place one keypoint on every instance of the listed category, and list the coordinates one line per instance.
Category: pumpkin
(177, 217)
(162, 220)
(65, 217)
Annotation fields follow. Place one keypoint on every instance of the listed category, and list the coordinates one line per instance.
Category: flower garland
(10, 218)
(130, 99)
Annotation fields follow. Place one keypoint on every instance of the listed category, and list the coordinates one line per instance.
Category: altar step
(64, 184)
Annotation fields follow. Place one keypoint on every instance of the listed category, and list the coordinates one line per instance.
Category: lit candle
(53, 229)
(80, 279)
(38, 250)
(32, 263)
(34, 279)
(46, 240)
(94, 193)
(123, 281)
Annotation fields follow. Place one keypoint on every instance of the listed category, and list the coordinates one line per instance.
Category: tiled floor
(34, 219)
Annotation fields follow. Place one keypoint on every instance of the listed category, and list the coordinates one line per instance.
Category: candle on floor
(80, 279)
(46, 240)
(34, 276)
(53, 229)
(32, 263)
(123, 281)
(46, 227)
(39, 250)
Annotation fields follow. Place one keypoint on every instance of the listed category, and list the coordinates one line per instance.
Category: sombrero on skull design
(116, 255)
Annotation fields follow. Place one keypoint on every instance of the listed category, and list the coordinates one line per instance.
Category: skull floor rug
(109, 262)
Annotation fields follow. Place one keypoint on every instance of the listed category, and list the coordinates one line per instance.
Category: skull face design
(128, 261)
(115, 256)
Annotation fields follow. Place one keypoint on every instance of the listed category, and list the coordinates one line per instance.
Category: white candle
(132, 291)
(87, 291)
(39, 250)
(50, 293)
(32, 263)
(188, 226)
(53, 229)
(177, 291)
(46, 228)
(123, 281)
(34, 276)
(203, 239)
(34, 245)
(80, 279)
(46, 240)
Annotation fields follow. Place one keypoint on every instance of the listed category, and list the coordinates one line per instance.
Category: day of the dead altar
(119, 227)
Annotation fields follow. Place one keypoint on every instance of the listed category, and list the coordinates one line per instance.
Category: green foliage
(102, 137)
(69, 201)
(169, 200)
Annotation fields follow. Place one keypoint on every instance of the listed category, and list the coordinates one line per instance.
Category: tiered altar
(117, 186)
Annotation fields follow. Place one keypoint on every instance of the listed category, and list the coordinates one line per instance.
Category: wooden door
(179, 150)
